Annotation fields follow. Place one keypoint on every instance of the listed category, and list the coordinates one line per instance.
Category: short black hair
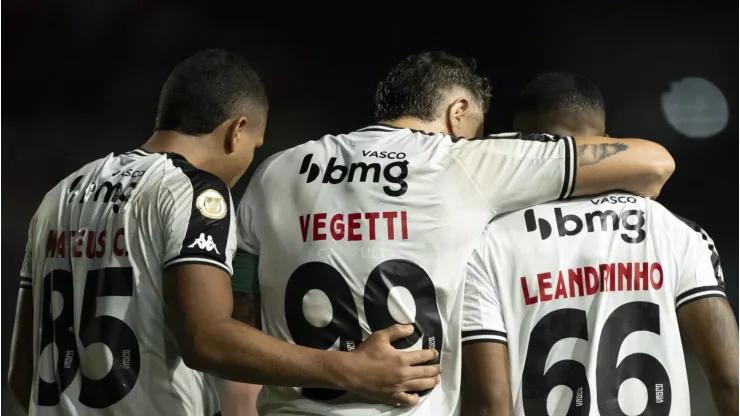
(208, 88)
(415, 86)
(557, 97)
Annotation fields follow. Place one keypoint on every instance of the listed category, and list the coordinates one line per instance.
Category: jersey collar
(380, 127)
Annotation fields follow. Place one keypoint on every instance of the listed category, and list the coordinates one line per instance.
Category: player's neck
(436, 126)
(194, 149)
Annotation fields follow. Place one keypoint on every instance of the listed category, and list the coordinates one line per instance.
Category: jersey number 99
(345, 324)
(110, 331)
(571, 323)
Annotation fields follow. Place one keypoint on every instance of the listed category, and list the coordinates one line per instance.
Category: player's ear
(456, 113)
(235, 134)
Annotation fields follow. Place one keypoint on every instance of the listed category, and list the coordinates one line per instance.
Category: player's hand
(387, 375)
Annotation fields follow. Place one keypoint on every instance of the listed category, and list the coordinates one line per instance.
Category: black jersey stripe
(696, 290)
(705, 295)
(201, 229)
(714, 257)
(570, 168)
(483, 332)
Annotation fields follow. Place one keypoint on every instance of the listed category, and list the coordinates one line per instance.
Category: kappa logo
(571, 224)
(204, 243)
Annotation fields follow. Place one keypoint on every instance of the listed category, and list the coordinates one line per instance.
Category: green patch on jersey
(245, 273)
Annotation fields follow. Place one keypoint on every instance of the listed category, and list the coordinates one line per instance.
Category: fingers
(421, 384)
(405, 399)
(421, 356)
(394, 332)
(423, 371)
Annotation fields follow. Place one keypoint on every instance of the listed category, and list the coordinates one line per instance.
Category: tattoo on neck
(589, 154)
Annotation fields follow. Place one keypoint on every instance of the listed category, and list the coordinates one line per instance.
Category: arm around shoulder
(605, 164)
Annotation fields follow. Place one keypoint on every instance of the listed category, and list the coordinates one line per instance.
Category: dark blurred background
(81, 79)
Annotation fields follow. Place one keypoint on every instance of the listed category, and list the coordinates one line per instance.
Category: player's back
(588, 292)
(95, 260)
(360, 231)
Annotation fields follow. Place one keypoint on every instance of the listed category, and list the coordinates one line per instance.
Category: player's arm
(241, 398)
(197, 286)
(20, 374)
(514, 170)
(245, 285)
(705, 318)
(485, 371)
(710, 328)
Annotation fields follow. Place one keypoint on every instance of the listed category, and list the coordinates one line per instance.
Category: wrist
(340, 370)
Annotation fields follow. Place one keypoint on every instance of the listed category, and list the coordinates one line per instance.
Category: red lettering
(528, 300)
(543, 283)
(607, 276)
(77, 238)
(641, 276)
(90, 246)
(575, 278)
(304, 219)
(371, 217)
(624, 276)
(62, 245)
(592, 280)
(354, 223)
(404, 226)
(319, 224)
(560, 287)
(656, 267)
(390, 216)
(118, 250)
(101, 245)
(51, 244)
(336, 227)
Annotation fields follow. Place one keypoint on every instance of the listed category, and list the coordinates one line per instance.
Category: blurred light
(695, 107)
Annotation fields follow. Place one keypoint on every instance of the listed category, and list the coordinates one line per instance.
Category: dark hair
(208, 88)
(415, 86)
(559, 95)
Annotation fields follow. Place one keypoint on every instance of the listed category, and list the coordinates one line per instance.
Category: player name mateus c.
(586, 281)
(85, 243)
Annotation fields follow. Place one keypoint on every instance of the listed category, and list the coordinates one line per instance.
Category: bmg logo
(570, 224)
(394, 173)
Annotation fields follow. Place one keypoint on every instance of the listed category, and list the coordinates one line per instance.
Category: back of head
(416, 86)
(560, 103)
(207, 89)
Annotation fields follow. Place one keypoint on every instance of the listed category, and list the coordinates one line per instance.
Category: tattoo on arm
(247, 309)
(589, 154)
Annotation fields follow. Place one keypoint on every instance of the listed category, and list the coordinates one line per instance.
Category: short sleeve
(27, 266)
(514, 170)
(246, 263)
(198, 222)
(483, 317)
(246, 236)
(701, 272)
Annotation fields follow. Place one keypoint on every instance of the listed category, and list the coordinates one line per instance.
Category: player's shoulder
(510, 139)
(674, 224)
(183, 182)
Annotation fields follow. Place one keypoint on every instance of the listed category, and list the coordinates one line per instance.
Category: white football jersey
(585, 295)
(360, 231)
(97, 248)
